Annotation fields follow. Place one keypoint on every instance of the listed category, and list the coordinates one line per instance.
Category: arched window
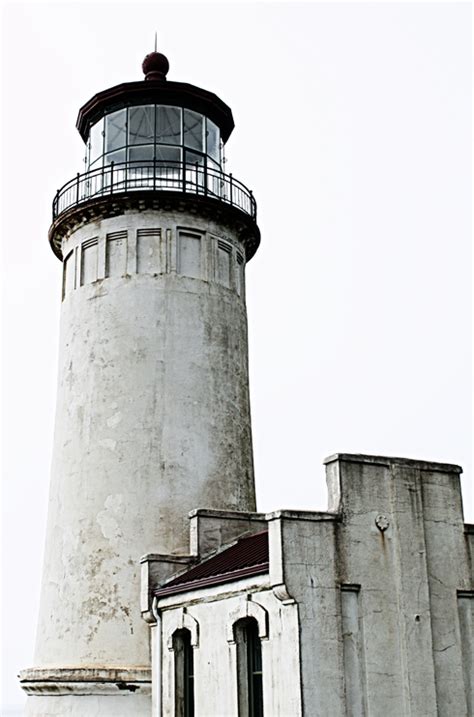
(183, 674)
(249, 668)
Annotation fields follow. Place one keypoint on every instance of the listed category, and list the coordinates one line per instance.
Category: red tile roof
(248, 556)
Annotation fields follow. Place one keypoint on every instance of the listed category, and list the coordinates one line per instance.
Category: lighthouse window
(212, 166)
(183, 674)
(141, 154)
(249, 668)
(212, 140)
(141, 125)
(194, 158)
(115, 130)
(194, 175)
(143, 133)
(97, 141)
(193, 130)
(116, 158)
(214, 178)
(168, 124)
(168, 154)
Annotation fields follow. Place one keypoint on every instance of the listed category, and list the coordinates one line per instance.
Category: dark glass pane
(215, 183)
(116, 157)
(143, 153)
(254, 666)
(212, 140)
(194, 158)
(141, 125)
(256, 653)
(115, 130)
(189, 679)
(193, 130)
(195, 174)
(168, 125)
(184, 674)
(213, 167)
(257, 697)
(168, 154)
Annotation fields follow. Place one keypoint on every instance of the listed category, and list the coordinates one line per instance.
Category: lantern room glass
(160, 133)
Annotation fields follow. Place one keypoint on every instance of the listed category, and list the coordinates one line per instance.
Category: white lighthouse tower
(153, 414)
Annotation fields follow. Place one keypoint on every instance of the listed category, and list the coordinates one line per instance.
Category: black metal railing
(155, 176)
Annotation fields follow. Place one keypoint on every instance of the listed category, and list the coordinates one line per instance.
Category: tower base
(87, 692)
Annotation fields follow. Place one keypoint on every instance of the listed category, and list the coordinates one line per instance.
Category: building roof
(248, 556)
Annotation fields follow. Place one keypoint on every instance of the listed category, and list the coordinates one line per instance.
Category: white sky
(353, 128)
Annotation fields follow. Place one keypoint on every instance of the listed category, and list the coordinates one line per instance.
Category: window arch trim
(184, 621)
(248, 608)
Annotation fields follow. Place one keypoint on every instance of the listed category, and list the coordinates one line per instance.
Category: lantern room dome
(157, 90)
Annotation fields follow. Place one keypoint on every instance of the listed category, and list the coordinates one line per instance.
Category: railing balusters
(170, 176)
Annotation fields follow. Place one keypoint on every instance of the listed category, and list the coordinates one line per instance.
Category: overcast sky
(353, 128)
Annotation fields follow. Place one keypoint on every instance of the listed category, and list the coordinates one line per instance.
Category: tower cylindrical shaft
(152, 421)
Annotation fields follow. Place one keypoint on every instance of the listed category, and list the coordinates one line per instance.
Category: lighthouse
(153, 415)
(164, 591)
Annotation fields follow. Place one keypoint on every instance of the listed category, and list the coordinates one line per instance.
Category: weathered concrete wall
(402, 541)
(210, 530)
(371, 607)
(152, 420)
(384, 591)
(303, 565)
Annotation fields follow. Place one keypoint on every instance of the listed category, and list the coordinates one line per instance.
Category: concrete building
(366, 609)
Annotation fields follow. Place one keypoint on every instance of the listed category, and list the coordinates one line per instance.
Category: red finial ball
(155, 66)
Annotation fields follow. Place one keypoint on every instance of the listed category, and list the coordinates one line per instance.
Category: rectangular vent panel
(89, 258)
(189, 255)
(150, 252)
(223, 263)
(115, 254)
(225, 247)
(117, 235)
